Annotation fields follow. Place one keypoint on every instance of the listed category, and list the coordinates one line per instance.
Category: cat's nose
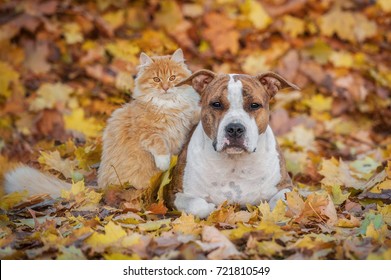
(165, 87)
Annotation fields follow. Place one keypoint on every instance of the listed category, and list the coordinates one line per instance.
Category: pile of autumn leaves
(326, 224)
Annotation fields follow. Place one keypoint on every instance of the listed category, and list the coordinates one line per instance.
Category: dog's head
(235, 108)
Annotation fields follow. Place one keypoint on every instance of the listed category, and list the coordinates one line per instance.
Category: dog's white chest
(216, 177)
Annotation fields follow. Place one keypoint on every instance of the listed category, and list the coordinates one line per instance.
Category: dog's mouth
(234, 150)
(231, 147)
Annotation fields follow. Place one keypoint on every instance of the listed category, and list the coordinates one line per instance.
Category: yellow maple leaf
(54, 161)
(186, 224)
(113, 234)
(275, 216)
(124, 50)
(295, 203)
(77, 121)
(293, 26)
(9, 200)
(51, 95)
(256, 14)
(319, 103)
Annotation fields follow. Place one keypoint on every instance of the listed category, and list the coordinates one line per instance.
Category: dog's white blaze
(211, 177)
(237, 114)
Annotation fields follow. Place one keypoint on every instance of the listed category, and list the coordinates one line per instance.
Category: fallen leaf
(158, 208)
(337, 195)
(219, 245)
(220, 31)
(337, 173)
(72, 33)
(256, 14)
(353, 27)
(12, 199)
(155, 225)
(53, 160)
(113, 235)
(78, 122)
(293, 26)
(51, 96)
(186, 224)
(275, 216)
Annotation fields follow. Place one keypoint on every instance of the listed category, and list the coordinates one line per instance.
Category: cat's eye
(255, 106)
(216, 105)
(156, 79)
(173, 77)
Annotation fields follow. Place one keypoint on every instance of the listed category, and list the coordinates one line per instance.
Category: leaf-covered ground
(66, 65)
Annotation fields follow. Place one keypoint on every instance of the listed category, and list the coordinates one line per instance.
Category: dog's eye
(216, 105)
(255, 106)
(156, 79)
(172, 78)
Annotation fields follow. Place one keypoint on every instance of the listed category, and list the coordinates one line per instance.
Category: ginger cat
(141, 136)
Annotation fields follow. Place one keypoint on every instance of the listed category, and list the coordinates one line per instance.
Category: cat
(140, 137)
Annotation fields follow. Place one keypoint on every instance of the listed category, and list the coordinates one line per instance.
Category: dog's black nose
(235, 130)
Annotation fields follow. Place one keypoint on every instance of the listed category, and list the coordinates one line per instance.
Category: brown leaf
(221, 33)
(158, 208)
(51, 123)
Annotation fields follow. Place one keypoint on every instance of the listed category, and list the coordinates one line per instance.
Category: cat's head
(158, 75)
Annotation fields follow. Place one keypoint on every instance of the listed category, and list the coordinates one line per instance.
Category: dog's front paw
(162, 162)
(193, 205)
(278, 196)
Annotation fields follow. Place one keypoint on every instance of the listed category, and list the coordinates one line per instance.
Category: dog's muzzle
(233, 141)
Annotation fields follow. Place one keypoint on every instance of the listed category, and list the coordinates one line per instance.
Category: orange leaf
(158, 208)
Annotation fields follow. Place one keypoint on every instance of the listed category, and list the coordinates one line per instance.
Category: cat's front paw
(162, 162)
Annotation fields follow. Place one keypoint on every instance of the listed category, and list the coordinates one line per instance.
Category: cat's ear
(145, 59)
(177, 56)
(199, 80)
(273, 82)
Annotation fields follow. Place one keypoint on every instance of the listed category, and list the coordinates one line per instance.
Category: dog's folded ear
(199, 80)
(273, 82)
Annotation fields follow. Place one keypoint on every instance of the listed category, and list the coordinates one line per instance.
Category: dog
(232, 154)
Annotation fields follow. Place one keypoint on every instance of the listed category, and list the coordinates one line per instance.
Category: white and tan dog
(232, 154)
